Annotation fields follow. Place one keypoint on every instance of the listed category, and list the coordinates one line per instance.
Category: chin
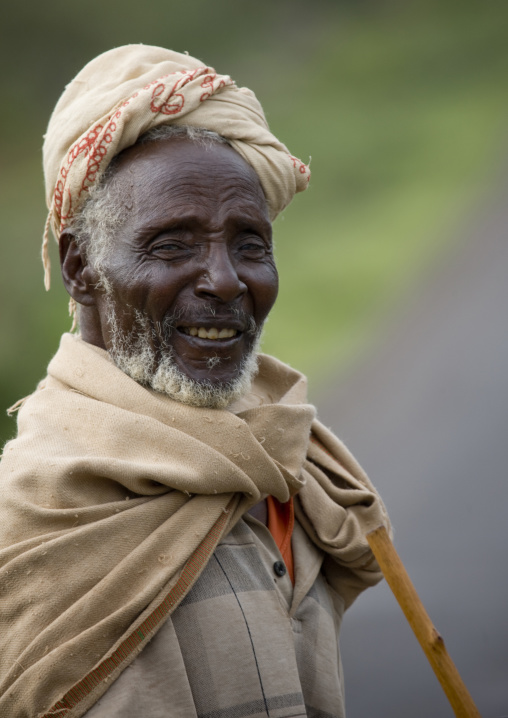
(165, 377)
(168, 379)
(135, 355)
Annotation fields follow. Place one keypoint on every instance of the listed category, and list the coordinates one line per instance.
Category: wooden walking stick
(418, 618)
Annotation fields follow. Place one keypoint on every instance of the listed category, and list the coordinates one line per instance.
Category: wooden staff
(418, 618)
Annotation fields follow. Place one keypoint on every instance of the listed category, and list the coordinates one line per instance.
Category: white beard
(134, 354)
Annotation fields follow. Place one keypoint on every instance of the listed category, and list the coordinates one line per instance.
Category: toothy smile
(211, 333)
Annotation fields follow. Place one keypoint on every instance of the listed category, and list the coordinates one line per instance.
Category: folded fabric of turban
(127, 91)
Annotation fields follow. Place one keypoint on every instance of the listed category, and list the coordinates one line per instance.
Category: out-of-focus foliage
(401, 105)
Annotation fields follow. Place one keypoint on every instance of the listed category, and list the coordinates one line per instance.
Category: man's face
(191, 273)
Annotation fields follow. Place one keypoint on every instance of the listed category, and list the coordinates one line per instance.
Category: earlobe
(78, 277)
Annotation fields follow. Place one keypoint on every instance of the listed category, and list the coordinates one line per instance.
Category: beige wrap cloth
(112, 499)
(129, 90)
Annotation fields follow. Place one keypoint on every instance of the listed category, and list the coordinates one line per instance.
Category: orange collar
(281, 520)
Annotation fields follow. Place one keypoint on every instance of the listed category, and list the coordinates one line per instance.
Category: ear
(78, 277)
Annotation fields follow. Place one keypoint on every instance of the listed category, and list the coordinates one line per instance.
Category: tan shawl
(112, 499)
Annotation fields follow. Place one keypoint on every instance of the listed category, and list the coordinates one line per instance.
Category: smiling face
(191, 273)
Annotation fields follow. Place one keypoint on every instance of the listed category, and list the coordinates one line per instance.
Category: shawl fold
(112, 499)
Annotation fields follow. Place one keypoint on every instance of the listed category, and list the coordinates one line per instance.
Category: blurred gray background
(427, 410)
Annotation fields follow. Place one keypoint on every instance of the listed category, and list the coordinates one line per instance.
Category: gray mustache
(208, 311)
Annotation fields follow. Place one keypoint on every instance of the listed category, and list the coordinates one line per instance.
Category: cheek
(265, 293)
(151, 289)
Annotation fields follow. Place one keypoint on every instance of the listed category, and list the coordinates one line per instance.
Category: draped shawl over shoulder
(112, 499)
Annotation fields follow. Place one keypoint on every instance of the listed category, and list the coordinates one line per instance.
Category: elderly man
(179, 535)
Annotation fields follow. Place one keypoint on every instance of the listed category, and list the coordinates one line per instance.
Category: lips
(213, 333)
(217, 328)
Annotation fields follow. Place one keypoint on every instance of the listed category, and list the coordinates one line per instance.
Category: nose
(219, 278)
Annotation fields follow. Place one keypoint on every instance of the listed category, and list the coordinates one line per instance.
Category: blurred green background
(402, 106)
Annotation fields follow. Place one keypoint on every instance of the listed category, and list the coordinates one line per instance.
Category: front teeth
(212, 333)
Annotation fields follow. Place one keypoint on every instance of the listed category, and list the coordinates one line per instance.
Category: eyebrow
(181, 221)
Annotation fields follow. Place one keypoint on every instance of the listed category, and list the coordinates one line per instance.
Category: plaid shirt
(243, 642)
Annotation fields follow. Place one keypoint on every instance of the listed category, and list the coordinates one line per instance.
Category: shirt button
(279, 568)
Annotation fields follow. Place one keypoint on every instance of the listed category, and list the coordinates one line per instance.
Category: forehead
(179, 172)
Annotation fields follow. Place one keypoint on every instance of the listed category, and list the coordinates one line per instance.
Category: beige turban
(125, 92)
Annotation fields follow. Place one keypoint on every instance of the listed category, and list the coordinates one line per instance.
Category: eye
(168, 247)
(252, 246)
(253, 250)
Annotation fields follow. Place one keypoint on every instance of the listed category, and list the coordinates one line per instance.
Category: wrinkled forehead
(178, 169)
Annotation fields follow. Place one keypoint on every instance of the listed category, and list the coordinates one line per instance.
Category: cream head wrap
(123, 93)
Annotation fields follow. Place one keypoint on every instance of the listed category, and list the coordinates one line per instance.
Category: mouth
(213, 348)
(210, 333)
